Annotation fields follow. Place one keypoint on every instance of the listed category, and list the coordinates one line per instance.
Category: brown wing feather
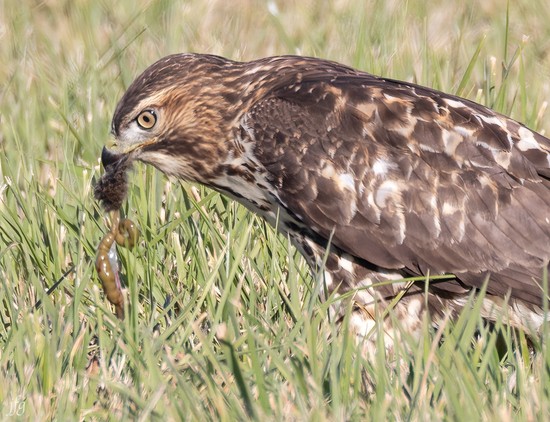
(411, 178)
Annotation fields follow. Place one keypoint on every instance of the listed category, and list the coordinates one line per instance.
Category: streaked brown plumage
(403, 179)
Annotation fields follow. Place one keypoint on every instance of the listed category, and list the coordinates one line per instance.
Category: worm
(124, 233)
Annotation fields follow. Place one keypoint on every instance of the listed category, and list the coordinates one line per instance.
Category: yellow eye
(147, 119)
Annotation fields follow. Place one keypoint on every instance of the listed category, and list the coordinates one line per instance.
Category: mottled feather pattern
(404, 180)
(429, 198)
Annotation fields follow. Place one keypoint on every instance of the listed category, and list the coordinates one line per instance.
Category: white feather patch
(527, 140)
(346, 181)
(386, 190)
(381, 167)
(346, 262)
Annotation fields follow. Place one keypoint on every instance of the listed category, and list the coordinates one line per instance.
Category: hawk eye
(146, 119)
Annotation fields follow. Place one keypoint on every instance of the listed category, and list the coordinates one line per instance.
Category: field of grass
(226, 324)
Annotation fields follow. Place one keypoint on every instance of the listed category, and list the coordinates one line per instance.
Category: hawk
(374, 180)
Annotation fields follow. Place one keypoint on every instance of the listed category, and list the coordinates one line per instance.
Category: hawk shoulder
(407, 177)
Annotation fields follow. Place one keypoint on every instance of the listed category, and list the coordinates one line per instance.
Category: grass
(225, 323)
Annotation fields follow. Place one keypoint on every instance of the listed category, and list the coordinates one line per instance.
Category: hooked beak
(109, 158)
(115, 151)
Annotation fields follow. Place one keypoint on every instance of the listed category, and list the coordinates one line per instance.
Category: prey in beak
(112, 187)
(111, 191)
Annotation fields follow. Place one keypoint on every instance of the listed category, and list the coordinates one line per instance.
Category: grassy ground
(242, 335)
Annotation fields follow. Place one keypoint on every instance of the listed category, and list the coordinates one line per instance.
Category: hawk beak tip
(109, 158)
